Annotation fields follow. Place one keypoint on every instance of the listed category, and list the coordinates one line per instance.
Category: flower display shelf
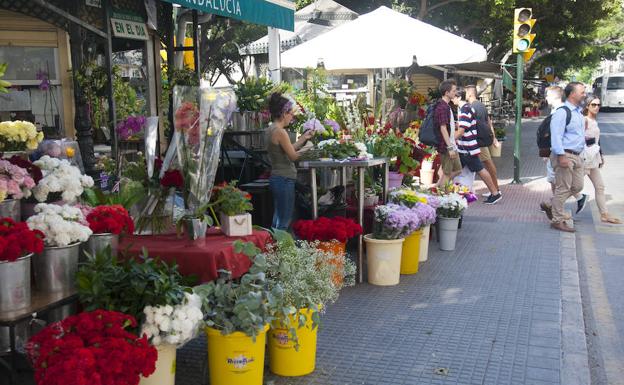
(40, 303)
(361, 166)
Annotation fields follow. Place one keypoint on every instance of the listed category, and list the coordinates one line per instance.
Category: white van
(610, 89)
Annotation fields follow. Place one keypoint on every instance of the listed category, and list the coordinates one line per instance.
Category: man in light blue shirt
(567, 142)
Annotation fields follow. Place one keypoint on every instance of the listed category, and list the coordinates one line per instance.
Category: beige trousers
(596, 178)
(568, 182)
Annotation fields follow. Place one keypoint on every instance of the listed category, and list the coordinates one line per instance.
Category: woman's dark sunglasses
(594, 104)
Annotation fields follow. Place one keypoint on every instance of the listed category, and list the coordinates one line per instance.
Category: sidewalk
(500, 309)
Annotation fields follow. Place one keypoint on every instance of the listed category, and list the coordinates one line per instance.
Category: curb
(574, 354)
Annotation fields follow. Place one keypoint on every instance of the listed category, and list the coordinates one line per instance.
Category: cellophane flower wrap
(325, 229)
(19, 135)
(59, 176)
(200, 118)
(174, 325)
(91, 348)
(15, 181)
(394, 221)
(452, 205)
(18, 240)
(113, 219)
(61, 225)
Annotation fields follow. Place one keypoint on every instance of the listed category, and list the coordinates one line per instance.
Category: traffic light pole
(517, 136)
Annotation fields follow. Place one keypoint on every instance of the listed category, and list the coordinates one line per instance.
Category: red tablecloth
(202, 257)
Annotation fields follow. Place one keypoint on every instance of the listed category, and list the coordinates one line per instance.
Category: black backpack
(543, 133)
(427, 133)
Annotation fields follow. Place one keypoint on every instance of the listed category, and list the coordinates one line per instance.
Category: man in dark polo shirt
(485, 135)
(445, 125)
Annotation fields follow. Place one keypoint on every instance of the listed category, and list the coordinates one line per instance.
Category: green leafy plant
(3, 83)
(252, 94)
(304, 274)
(230, 200)
(398, 150)
(94, 82)
(500, 133)
(104, 282)
(241, 305)
(127, 196)
(127, 101)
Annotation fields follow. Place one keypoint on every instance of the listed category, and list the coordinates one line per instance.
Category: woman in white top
(596, 160)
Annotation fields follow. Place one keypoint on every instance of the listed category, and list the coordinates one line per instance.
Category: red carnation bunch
(91, 348)
(327, 229)
(172, 178)
(110, 219)
(17, 240)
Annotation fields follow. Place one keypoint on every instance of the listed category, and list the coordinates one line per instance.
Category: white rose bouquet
(59, 176)
(61, 225)
(175, 325)
(452, 205)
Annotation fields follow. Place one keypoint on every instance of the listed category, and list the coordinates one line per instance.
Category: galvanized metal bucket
(99, 242)
(55, 268)
(10, 208)
(15, 284)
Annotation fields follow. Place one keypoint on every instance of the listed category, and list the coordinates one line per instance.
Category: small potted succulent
(233, 206)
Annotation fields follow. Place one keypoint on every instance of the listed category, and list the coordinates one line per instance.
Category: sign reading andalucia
(274, 13)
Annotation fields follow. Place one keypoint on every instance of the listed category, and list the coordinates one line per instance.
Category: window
(25, 62)
(615, 83)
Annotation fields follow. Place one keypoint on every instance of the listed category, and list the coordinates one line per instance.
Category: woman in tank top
(282, 155)
(592, 138)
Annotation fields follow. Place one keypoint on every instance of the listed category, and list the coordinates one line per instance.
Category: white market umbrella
(383, 39)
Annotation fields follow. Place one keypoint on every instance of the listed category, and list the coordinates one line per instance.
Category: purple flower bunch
(130, 126)
(44, 79)
(314, 125)
(332, 124)
(426, 214)
(394, 221)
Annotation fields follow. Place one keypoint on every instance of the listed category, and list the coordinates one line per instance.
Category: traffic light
(522, 35)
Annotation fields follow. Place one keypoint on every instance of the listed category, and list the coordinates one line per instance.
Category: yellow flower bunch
(19, 135)
(412, 131)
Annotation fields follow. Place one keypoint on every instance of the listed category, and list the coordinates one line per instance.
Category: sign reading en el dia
(129, 29)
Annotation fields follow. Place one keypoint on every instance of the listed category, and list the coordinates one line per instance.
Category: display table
(202, 257)
(361, 166)
(40, 303)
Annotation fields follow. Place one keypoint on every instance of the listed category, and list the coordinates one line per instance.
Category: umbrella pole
(384, 74)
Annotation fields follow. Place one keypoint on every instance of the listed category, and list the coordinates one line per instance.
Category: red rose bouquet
(110, 219)
(172, 178)
(91, 349)
(327, 229)
(17, 240)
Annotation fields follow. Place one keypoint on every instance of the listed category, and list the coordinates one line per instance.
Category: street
(600, 251)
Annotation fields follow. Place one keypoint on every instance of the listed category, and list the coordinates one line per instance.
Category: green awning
(273, 13)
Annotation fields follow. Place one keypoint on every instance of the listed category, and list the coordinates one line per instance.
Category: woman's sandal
(609, 219)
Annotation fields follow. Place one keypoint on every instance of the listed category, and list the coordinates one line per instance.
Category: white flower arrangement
(327, 142)
(363, 151)
(60, 176)
(175, 325)
(452, 205)
(61, 225)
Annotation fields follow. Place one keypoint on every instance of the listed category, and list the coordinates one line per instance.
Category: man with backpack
(567, 138)
(444, 126)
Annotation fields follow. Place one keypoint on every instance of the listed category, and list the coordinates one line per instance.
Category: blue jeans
(283, 190)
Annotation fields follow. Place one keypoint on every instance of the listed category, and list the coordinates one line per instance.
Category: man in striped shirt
(468, 146)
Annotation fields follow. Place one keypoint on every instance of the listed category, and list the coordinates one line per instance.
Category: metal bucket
(23, 331)
(15, 284)
(99, 242)
(55, 268)
(10, 208)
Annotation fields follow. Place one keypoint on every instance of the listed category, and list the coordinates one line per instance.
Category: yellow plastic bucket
(235, 359)
(411, 253)
(284, 360)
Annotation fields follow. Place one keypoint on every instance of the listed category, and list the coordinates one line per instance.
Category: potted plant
(392, 223)
(64, 229)
(92, 347)
(19, 136)
(394, 146)
(332, 235)
(426, 168)
(451, 207)
(152, 292)
(168, 328)
(107, 223)
(233, 205)
(59, 176)
(501, 136)
(251, 98)
(306, 276)
(237, 314)
(17, 245)
(15, 184)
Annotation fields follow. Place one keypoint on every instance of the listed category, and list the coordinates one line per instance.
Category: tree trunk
(82, 120)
